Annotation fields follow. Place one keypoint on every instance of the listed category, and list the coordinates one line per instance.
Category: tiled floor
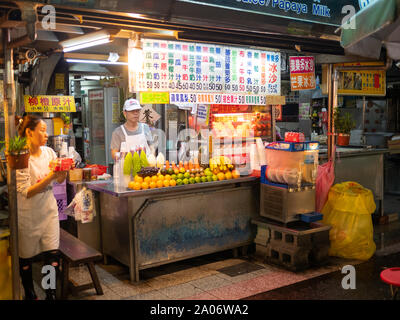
(200, 278)
(200, 282)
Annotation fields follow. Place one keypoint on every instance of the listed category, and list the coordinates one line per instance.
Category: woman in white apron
(38, 224)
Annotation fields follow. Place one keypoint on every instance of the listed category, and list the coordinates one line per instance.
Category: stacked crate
(60, 193)
(295, 247)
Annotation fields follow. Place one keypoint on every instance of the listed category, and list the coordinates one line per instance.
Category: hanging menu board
(302, 73)
(202, 68)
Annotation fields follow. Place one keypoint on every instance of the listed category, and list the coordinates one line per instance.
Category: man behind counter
(133, 132)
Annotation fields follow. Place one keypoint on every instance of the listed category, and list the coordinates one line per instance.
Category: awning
(374, 26)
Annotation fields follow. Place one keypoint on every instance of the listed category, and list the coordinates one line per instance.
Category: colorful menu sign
(195, 67)
(49, 104)
(302, 73)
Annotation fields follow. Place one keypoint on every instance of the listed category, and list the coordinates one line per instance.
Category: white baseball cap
(132, 104)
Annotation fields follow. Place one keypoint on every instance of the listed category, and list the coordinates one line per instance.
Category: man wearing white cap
(134, 133)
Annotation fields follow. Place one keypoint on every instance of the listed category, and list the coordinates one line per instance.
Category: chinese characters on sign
(49, 104)
(195, 68)
(302, 73)
(148, 115)
(154, 98)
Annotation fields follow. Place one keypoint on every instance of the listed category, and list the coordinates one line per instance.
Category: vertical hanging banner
(302, 73)
(195, 68)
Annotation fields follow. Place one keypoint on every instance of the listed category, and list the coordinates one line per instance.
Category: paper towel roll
(254, 161)
(262, 158)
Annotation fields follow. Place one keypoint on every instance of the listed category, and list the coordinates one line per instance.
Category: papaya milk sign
(330, 12)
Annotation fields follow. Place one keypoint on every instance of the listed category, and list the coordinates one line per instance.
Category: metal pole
(330, 107)
(9, 114)
(335, 79)
(363, 114)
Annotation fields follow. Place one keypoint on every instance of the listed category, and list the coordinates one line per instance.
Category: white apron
(136, 141)
(38, 223)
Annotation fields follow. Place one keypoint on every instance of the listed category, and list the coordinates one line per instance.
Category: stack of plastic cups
(125, 179)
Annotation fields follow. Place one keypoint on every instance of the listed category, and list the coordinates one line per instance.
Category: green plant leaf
(17, 144)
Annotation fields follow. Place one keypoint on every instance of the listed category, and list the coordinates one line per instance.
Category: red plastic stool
(392, 276)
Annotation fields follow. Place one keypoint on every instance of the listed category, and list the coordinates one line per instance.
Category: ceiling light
(113, 57)
(86, 41)
(96, 61)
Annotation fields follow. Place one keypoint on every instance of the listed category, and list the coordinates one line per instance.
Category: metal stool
(391, 276)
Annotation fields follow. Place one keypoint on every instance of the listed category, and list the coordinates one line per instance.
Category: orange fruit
(147, 179)
(153, 185)
(166, 183)
(160, 184)
(138, 179)
(160, 177)
(145, 185)
(167, 177)
(154, 178)
(172, 183)
(235, 174)
(228, 175)
(137, 186)
(221, 176)
(131, 185)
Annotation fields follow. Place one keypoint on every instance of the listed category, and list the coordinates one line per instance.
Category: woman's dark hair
(29, 121)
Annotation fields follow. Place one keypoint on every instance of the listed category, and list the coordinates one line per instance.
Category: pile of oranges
(157, 181)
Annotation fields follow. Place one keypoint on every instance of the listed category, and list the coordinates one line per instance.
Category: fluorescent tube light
(96, 61)
(86, 41)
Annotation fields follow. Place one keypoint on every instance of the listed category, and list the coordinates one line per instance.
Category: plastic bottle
(117, 169)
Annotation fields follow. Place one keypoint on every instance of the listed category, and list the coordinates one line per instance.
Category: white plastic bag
(82, 207)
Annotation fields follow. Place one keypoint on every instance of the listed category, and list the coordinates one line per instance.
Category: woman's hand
(59, 176)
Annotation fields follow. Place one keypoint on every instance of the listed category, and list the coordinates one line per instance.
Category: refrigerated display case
(102, 122)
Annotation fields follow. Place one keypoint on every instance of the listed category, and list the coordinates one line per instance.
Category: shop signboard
(154, 98)
(49, 103)
(329, 12)
(364, 82)
(302, 73)
(203, 68)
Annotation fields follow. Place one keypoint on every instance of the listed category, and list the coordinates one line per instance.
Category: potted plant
(343, 126)
(17, 153)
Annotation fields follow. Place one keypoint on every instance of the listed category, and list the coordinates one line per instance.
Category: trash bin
(348, 210)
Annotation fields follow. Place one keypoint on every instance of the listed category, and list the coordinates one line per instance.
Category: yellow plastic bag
(348, 210)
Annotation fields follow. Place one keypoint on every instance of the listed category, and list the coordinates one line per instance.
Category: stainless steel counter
(351, 152)
(148, 228)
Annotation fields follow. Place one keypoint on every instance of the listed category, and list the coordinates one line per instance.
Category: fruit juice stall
(171, 205)
(159, 211)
